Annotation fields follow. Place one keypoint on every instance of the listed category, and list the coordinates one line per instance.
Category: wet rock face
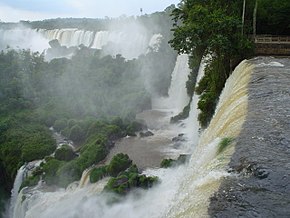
(260, 185)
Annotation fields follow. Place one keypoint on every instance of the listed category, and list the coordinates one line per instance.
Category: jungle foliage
(91, 99)
(214, 29)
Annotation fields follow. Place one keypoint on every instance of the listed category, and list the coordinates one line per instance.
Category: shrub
(98, 173)
(119, 163)
(129, 179)
(68, 172)
(76, 133)
(60, 125)
(65, 153)
(30, 181)
(93, 154)
(50, 168)
(166, 163)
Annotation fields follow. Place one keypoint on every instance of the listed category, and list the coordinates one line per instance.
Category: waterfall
(183, 191)
(101, 39)
(16, 186)
(177, 94)
(191, 123)
(206, 167)
(129, 44)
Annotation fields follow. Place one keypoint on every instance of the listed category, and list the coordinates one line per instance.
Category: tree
(210, 27)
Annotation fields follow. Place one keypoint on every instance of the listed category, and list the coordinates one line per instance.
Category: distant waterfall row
(129, 44)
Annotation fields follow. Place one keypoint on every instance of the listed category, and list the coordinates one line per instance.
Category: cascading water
(177, 95)
(206, 166)
(129, 44)
(191, 123)
(16, 186)
(69, 37)
(177, 92)
(85, 199)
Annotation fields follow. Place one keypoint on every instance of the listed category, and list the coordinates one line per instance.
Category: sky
(15, 10)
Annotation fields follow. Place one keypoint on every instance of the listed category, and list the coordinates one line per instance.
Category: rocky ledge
(261, 161)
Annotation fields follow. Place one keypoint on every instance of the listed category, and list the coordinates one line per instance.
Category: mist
(22, 37)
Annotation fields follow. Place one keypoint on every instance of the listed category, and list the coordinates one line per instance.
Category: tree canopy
(210, 28)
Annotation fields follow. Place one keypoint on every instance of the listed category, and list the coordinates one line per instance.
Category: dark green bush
(60, 124)
(65, 153)
(68, 172)
(98, 173)
(128, 180)
(30, 181)
(76, 133)
(166, 163)
(50, 168)
(119, 163)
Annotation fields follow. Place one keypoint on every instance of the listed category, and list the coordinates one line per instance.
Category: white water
(183, 191)
(177, 95)
(85, 200)
(191, 123)
(14, 192)
(130, 44)
(206, 167)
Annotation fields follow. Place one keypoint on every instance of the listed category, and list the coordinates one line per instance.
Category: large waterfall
(207, 167)
(130, 44)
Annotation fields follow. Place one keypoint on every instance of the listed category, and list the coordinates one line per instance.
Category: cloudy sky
(15, 10)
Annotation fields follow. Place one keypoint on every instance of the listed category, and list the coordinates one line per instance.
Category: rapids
(184, 191)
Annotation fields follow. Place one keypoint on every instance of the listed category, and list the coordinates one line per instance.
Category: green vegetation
(65, 153)
(98, 173)
(272, 16)
(35, 95)
(211, 28)
(214, 28)
(125, 175)
(119, 163)
(224, 143)
(166, 163)
(182, 115)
